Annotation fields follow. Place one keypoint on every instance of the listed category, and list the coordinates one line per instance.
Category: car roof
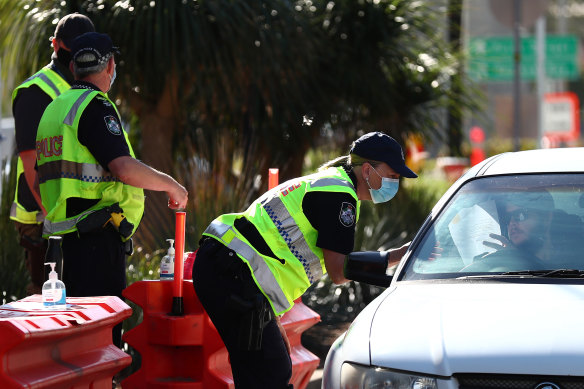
(559, 160)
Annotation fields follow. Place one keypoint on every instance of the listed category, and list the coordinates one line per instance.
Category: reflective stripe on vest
(70, 118)
(51, 228)
(48, 86)
(18, 213)
(329, 181)
(47, 81)
(88, 172)
(260, 270)
(290, 232)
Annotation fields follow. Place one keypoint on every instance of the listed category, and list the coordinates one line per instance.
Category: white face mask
(112, 78)
(387, 191)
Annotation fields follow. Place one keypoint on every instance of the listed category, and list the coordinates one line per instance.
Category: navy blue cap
(381, 147)
(92, 49)
(71, 26)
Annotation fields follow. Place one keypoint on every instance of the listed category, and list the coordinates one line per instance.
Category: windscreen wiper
(551, 273)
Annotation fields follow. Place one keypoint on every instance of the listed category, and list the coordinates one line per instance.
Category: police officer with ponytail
(251, 266)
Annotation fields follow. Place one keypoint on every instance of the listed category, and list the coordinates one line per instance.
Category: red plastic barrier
(295, 322)
(69, 348)
(186, 351)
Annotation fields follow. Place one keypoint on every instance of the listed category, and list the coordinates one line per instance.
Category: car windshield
(505, 225)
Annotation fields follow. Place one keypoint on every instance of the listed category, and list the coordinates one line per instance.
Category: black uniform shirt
(332, 214)
(101, 132)
(28, 108)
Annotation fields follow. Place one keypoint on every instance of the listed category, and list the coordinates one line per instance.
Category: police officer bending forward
(251, 266)
(88, 175)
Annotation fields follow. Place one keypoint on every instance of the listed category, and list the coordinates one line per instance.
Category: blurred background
(217, 92)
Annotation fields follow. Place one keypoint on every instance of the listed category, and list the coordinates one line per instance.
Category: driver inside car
(528, 220)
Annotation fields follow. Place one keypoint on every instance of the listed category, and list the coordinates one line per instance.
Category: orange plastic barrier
(69, 348)
(186, 351)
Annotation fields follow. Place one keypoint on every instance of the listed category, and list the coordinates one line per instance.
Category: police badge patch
(347, 215)
(112, 125)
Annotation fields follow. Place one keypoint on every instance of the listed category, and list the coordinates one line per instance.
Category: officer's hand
(178, 197)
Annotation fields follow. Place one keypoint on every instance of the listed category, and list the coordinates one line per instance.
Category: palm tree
(224, 85)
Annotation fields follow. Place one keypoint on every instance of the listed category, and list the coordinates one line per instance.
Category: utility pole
(516, 73)
(453, 119)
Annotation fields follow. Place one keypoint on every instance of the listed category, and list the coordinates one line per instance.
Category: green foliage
(13, 275)
(252, 70)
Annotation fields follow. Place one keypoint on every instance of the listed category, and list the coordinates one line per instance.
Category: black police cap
(381, 147)
(92, 49)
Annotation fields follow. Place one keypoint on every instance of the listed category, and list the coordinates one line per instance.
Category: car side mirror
(368, 267)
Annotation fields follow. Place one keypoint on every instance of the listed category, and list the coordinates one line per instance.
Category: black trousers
(214, 283)
(95, 265)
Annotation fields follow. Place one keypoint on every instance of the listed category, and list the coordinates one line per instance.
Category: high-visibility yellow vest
(53, 85)
(67, 169)
(279, 218)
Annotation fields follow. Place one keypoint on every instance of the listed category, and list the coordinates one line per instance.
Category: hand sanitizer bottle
(167, 263)
(54, 254)
(54, 290)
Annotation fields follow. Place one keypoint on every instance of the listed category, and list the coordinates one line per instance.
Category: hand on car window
(502, 243)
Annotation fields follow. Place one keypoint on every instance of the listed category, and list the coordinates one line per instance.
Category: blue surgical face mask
(386, 192)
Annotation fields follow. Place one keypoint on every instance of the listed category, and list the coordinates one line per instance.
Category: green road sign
(492, 58)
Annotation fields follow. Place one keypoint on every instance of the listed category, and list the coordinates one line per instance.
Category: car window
(504, 223)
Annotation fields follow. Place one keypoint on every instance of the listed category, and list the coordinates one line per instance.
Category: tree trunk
(158, 221)
(158, 124)
(454, 123)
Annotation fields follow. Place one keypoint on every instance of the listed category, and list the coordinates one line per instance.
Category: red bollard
(179, 249)
(273, 178)
(477, 139)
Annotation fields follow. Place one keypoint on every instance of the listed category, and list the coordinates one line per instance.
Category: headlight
(364, 377)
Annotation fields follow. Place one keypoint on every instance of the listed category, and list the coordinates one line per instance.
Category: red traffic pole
(179, 249)
(272, 178)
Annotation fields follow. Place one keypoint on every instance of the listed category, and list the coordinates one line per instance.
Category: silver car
(490, 293)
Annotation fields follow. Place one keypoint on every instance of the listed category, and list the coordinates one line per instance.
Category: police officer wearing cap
(251, 266)
(87, 171)
(29, 101)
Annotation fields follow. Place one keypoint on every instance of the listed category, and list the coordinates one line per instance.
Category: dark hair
(350, 160)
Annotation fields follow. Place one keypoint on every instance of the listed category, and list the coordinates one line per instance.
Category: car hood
(487, 327)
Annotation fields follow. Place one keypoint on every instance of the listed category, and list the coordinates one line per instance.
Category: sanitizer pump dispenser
(54, 290)
(167, 263)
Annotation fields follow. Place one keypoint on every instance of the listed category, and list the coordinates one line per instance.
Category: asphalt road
(315, 380)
